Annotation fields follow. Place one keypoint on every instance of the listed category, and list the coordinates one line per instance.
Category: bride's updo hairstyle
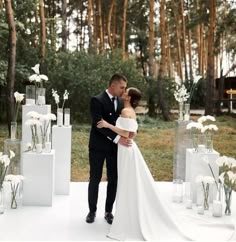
(135, 95)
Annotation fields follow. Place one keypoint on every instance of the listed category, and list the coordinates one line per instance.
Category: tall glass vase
(13, 130)
(181, 111)
(186, 111)
(60, 117)
(2, 200)
(30, 95)
(40, 96)
(209, 142)
(228, 197)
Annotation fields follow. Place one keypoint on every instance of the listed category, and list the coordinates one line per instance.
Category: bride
(140, 213)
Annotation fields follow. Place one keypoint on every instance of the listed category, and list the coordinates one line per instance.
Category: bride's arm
(103, 124)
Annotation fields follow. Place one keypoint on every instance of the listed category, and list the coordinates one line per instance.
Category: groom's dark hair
(117, 78)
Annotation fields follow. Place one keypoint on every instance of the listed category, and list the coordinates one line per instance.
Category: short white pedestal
(38, 184)
(26, 131)
(61, 143)
(195, 165)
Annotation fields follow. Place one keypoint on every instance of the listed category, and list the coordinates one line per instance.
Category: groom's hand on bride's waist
(125, 141)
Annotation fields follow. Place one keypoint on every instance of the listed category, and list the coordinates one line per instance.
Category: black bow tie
(113, 99)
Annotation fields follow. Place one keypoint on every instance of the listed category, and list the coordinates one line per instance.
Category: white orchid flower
(37, 77)
(33, 115)
(5, 160)
(202, 119)
(12, 154)
(222, 160)
(66, 94)
(194, 125)
(196, 79)
(19, 96)
(36, 69)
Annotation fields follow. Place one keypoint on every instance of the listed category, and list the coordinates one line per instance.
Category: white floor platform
(65, 220)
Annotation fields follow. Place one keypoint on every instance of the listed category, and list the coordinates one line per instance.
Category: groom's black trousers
(96, 159)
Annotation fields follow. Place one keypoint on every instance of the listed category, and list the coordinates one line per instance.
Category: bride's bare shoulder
(128, 113)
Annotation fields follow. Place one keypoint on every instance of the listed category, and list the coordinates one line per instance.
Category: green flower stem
(14, 192)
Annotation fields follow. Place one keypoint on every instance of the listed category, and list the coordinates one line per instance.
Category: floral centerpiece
(196, 79)
(19, 97)
(38, 80)
(227, 166)
(208, 130)
(15, 181)
(194, 128)
(181, 95)
(4, 164)
(205, 182)
(39, 125)
(57, 101)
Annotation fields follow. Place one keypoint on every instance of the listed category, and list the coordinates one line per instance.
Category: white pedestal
(61, 143)
(195, 165)
(26, 131)
(38, 184)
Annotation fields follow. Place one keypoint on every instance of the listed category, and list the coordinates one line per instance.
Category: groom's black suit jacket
(101, 107)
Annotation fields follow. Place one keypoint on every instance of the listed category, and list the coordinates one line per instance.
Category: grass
(156, 141)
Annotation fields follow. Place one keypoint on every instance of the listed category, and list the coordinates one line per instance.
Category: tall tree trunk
(42, 30)
(184, 39)
(179, 56)
(114, 39)
(151, 94)
(90, 9)
(11, 62)
(190, 49)
(95, 26)
(169, 58)
(210, 57)
(110, 37)
(161, 73)
(101, 44)
(123, 38)
(64, 26)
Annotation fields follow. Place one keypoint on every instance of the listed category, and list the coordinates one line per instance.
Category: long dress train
(140, 213)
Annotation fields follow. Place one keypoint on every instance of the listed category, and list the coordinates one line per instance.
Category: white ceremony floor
(65, 220)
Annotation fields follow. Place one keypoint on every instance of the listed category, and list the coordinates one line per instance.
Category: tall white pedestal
(26, 131)
(61, 143)
(38, 184)
(195, 165)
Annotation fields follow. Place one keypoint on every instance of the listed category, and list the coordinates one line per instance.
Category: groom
(103, 145)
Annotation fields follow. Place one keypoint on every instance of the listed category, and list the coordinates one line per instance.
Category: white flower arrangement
(210, 127)
(38, 121)
(205, 182)
(4, 164)
(57, 97)
(15, 181)
(227, 166)
(37, 78)
(181, 95)
(19, 98)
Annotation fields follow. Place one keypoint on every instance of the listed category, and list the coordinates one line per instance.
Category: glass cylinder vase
(40, 96)
(181, 111)
(186, 111)
(13, 130)
(30, 95)
(177, 193)
(228, 197)
(67, 117)
(60, 117)
(2, 200)
(209, 142)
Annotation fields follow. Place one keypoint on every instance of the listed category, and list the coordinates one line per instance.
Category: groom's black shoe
(109, 217)
(90, 217)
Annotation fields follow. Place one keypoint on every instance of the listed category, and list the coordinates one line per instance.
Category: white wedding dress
(140, 213)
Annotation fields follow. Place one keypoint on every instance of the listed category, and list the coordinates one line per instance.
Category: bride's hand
(102, 124)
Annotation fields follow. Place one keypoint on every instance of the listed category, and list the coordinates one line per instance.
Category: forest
(80, 44)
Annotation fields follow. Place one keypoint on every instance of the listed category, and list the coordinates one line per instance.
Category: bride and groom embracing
(140, 214)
